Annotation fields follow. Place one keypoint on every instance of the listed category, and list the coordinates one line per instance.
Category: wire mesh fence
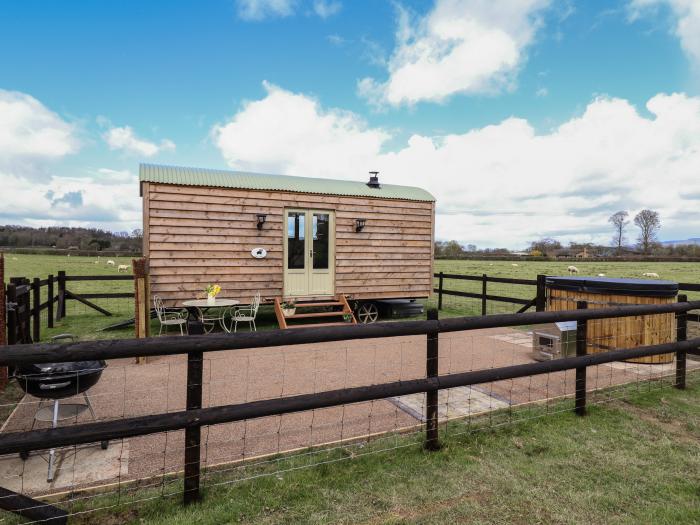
(134, 470)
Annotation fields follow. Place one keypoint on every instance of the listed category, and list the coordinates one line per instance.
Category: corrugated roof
(260, 181)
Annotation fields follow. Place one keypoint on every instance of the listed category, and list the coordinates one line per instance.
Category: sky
(524, 118)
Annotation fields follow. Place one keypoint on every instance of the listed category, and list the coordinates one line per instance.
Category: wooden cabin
(285, 236)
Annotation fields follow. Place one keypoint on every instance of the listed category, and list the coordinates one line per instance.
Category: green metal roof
(259, 181)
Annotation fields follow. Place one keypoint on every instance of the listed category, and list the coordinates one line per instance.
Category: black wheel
(24, 455)
(104, 445)
(367, 313)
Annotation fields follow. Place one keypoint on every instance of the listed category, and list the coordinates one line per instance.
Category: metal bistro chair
(169, 318)
(246, 314)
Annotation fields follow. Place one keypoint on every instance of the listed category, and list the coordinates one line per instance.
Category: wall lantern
(360, 224)
(261, 220)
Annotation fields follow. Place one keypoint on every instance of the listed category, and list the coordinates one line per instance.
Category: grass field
(85, 322)
(631, 460)
(523, 269)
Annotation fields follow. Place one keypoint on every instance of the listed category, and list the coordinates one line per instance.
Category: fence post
(142, 312)
(3, 319)
(36, 309)
(431, 396)
(581, 350)
(11, 315)
(193, 434)
(440, 290)
(61, 313)
(484, 280)
(49, 307)
(681, 335)
(541, 301)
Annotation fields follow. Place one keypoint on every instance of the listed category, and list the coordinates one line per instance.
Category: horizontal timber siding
(195, 236)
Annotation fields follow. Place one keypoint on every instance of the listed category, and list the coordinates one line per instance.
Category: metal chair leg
(52, 452)
(89, 405)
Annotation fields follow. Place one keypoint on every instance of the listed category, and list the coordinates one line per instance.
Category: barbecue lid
(71, 368)
(610, 286)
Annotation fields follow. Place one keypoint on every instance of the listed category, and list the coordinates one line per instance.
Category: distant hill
(693, 240)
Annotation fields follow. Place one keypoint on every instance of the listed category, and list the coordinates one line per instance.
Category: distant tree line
(70, 238)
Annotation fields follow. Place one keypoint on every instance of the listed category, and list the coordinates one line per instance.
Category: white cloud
(460, 46)
(501, 184)
(290, 131)
(327, 8)
(124, 138)
(30, 132)
(261, 9)
(686, 14)
(542, 92)
(33, 141)
(105, 198)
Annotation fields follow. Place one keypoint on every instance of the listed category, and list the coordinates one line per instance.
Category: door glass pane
(321, 230)
(295, 240)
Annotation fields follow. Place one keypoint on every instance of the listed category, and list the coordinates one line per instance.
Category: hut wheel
(367, 313)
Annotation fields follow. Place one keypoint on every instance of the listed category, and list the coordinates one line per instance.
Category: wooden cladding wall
(194, 236)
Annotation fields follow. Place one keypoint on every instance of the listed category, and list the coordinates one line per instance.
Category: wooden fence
(538, 301)
(194, 416)
(25, 306)
(538, 285)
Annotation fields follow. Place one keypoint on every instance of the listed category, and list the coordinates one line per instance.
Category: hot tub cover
(610, 286)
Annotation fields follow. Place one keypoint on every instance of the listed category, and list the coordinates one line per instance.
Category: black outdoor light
(360, 224)
(261, 220)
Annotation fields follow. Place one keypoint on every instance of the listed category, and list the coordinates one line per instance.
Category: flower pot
(211, 300)
(288, 311)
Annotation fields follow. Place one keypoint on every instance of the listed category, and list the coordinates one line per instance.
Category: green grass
(85, 322)
(524, 269)
(632, 460)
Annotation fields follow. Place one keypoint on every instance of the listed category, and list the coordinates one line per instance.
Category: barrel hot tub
(626, 332)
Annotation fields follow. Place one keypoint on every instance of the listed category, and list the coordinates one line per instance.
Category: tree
(619, 222)
(649, 223)
(545, 246)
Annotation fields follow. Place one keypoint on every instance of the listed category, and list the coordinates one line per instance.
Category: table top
(203, 303)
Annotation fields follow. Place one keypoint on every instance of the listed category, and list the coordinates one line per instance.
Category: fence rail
(484, 296)
(194, 416)
(25, 304)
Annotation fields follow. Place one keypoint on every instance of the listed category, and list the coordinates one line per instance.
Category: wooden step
(313, 305)
(316, 325)
(316, 314)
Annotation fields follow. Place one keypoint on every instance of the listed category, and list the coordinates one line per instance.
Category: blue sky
(524, 118)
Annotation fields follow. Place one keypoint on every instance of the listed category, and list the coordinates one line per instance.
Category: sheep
(122, 268)
(601, 275)
(572, 270)
(110, 263)
(515, 265)
(651, 274)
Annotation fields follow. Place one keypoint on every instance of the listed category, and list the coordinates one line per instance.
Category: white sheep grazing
(651, 274)
(110, 263)
(572, 269)
(122, 268)
(515, 265)
(601, 275)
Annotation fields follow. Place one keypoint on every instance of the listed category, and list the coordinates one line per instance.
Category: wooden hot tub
(626, 332)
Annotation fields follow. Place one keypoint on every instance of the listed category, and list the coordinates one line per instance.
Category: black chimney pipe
(374, 180)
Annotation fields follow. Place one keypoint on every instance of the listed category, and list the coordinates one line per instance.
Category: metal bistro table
(197, 310)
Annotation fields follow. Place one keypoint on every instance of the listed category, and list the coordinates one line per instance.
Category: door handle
(311, 254)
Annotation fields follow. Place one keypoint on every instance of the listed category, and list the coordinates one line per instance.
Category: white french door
(309, 253)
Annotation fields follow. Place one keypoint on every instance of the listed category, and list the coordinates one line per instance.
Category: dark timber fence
(25, 305)
(484, 296)
(539, 292)
(194, 416)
